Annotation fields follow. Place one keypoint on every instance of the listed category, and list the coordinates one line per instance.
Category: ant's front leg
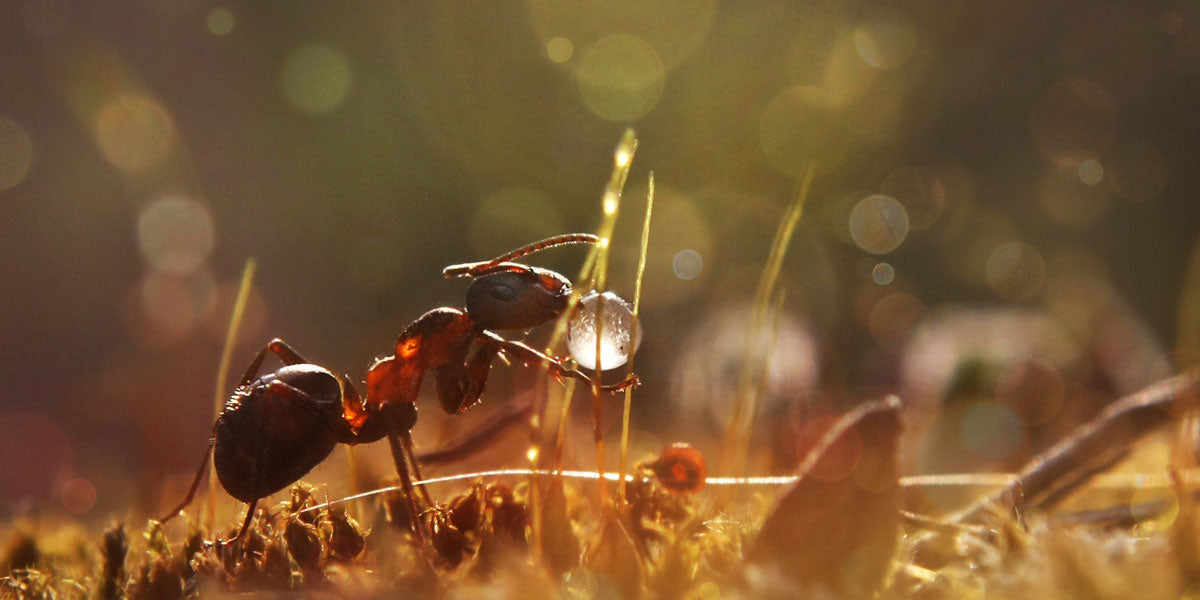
(554, 366)
(460, 382)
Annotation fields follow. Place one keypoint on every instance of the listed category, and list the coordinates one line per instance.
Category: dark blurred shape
(838, 535)
(113, 548)
(21, 552)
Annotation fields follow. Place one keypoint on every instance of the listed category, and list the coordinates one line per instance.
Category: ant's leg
(533, 358)
(459, 384)
(406, 484)
(245, 527)
(406, 440)
(482, 436)
(280, 349)
(246, 523)
(191, 493)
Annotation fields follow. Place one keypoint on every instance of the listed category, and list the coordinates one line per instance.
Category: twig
(1095, 443)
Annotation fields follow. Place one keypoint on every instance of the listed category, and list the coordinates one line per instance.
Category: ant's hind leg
(280, 349)
(191, 494)
(241, 532)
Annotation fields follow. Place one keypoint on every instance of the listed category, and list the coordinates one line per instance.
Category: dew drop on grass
(619, 339)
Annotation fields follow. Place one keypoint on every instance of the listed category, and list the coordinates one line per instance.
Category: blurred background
(1002, 225)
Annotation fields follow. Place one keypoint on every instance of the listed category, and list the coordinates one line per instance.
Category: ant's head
(508, 295)
(517, 297)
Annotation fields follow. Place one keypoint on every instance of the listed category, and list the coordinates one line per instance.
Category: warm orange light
(409, 347)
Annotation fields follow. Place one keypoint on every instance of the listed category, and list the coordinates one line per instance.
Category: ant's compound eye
(680, 468)
(517, 299)
(619, 336)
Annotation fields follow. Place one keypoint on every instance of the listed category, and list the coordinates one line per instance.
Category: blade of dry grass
(737, 436)
(637, 299)
(593, 270)
(221, 393)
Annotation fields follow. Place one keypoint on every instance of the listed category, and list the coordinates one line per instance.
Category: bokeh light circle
(687, 264)
(920, 191)
(893, 318)
(883, 273)
(1156, 520)
(16, 153)
(315, 78)
(134, 132)
(175, 234)
(78, 495)
(173, 306)
(798, 129)
(560, 49)
(674, 29)
(1170, 23)
(1015, 271)
(1091, 172)
(878, 224)
(510, 218)
(220, 21)
(680, 223)
(1065, 201)
(1034, 389)
(620, 77)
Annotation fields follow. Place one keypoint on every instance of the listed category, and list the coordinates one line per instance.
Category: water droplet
(619, 339)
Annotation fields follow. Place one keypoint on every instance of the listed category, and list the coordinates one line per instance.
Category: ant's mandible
(276, 428)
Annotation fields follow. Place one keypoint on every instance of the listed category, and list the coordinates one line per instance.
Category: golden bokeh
(672, 28)
(221, 21)
(175, 234)
(620, 77)
(134, 131)
(315, 78)
(1015, 271)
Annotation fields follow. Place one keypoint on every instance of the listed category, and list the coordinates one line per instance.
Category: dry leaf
(836, 529)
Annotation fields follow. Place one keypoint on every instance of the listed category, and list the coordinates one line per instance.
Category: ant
(277, 427)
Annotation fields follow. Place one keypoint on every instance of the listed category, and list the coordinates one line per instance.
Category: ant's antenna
(475, 268)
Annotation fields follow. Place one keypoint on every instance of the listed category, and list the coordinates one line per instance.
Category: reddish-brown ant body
(275, 428)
